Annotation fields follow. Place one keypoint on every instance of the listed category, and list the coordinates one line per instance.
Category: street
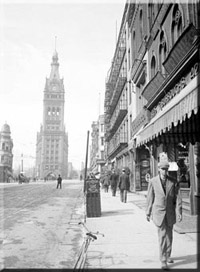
(40, 230)
(35, 224)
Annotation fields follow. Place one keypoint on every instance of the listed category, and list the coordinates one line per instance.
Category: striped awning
(175, 111)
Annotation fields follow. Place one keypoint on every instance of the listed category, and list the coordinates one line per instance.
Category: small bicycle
(90, 236)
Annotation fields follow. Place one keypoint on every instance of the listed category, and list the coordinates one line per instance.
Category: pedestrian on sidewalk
(163, 198)
(113, 182)
(59, 182)
(106, 182)
(124, 185)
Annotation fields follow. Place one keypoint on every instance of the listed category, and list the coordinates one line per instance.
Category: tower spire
(55, 42)
(54, 65)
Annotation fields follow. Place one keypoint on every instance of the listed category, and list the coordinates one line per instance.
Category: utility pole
(86, 160)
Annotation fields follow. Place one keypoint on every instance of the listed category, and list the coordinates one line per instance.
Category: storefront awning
(176, 110)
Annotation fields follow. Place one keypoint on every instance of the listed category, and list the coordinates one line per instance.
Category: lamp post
(86, 160)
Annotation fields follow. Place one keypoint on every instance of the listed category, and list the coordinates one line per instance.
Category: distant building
(97, 155)
(6, 156)
(52, 140)
(70, 170)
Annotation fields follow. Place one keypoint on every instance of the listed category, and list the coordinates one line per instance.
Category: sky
(86, 32)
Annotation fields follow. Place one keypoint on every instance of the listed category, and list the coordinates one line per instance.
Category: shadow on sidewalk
(184, 260)
(114, 213)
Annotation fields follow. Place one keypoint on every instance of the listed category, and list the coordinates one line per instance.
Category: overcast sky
(86, 37)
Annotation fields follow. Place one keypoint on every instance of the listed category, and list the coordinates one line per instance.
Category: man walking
(59, 182)
(162, 199)
(106, 182)
(113, 182)
(124, 185)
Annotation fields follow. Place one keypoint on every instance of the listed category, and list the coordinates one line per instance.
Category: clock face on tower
(54, 88)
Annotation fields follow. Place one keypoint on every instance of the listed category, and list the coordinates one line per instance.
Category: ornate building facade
(6, 156)
(52, 140)
(151, 97)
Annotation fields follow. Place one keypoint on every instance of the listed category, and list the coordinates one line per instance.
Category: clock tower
(52, 140)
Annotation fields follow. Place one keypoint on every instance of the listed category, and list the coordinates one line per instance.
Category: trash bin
(93, 200)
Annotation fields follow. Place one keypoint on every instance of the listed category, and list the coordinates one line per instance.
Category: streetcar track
(29, 190)
(18, 211)
(6, 194)
(43, 238)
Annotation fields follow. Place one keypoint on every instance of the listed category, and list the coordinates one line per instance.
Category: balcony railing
(117, 143)
(116, 65)
(117, 91)
(118, 116)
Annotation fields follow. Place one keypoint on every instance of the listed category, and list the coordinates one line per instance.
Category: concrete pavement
(130, 241)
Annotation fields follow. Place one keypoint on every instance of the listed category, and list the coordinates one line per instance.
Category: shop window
(183, 175)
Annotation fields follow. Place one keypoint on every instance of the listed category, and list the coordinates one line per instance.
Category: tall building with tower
(52, 140)
(6, 156)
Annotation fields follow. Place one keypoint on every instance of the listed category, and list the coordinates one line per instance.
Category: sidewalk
(130, 241)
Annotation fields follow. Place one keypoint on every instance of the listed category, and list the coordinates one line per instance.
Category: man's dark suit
(124, 186)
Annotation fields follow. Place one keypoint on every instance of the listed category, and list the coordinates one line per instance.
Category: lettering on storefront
(176, 90)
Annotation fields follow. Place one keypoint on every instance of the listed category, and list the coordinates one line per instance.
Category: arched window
(141, 24)
(180, 27)
(49, 111)
(133, 46)
(177, 26)
(173, 34)
(53, 111)
(57, 111)
(162, 51)
(3, 146)
(153, 67)
(151, 14)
